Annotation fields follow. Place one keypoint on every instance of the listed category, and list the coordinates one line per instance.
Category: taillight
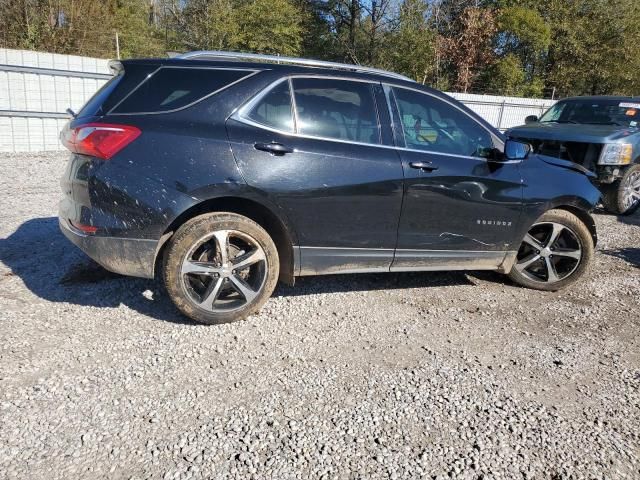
(102, 140)
(90, 229)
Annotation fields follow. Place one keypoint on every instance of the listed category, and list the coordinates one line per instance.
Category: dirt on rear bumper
(126, 256)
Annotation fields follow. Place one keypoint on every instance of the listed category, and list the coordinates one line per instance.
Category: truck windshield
(624, 113)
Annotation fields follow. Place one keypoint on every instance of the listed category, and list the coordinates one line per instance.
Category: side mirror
(531, 119)
(516, 150)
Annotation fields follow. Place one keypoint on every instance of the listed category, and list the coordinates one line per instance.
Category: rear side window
(173, 88)
(340, 109)
(274, 109)
(95, 103)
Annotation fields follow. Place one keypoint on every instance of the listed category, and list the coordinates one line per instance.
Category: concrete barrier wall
(35, 90)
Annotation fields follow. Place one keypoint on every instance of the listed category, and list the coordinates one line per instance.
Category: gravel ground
(432, 375)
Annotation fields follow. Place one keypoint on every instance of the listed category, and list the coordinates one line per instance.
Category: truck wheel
(220, 268)
(623, 196)
(556, 252)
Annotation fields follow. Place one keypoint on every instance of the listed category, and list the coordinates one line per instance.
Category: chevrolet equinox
(223, 172)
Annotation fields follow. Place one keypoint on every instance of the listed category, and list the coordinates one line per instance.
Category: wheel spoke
(241, 287)
(527, 263)
(217, 274)
(575, 254)
(222, 241)
(533, 242)
(248, 259)
(552, 276)
(561, 244)
(198, 268)
(211, 294)
(555, 233)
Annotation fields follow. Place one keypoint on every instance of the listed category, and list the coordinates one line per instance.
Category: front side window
(274, 109)
(337, 109)
(433, 125)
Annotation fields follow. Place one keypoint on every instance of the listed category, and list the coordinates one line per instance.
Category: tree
(137, 31)
(270, 26)
(81, 27)
(344, 22)
(521, 43)
(524, 33)
(469, 51)
(410, 49)
(318, 39)
(64, 26)
(204, 24)
(595, 47)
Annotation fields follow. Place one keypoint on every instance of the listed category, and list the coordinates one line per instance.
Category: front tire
(556, 252)
(622, 197)
(220, 268)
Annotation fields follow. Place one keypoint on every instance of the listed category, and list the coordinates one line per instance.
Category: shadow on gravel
(366, 282)
(55, 270)
(629, 255)
(633, 219)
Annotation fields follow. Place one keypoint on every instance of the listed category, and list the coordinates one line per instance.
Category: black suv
(225, 172)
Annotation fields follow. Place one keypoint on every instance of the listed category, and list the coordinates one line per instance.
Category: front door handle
(426, 166)
(273, 147)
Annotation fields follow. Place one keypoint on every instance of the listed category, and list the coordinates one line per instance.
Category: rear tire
(220, 268)
(622, 197)
(556, 252)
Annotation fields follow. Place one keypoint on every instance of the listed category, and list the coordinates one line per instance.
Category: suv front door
(460, 209)
(321, 156)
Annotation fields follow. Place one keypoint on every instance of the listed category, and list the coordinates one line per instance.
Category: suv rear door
(322, 157)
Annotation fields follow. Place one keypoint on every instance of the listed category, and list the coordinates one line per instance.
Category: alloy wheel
(224, 271)
(550, 252)
(631, 190)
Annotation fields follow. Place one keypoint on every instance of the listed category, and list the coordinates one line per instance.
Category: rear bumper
(126, 256)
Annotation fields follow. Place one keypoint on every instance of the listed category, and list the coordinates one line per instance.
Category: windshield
(624, 113)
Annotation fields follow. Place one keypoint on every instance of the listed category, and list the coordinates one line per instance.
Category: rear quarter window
(172, 88)
(95, 103)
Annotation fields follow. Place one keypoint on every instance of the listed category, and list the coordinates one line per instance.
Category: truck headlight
(616, 154)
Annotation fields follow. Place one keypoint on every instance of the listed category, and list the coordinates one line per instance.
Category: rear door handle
(426, 166)
(273, 147)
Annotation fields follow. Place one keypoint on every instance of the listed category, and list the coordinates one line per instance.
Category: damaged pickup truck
(601, 134)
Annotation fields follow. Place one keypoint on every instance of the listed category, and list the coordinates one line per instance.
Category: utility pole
(117, 47)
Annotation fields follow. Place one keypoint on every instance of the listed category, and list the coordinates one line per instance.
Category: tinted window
(172, 88)
(434, 125)
(93, 106)
(338, 109)
(274, 109)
